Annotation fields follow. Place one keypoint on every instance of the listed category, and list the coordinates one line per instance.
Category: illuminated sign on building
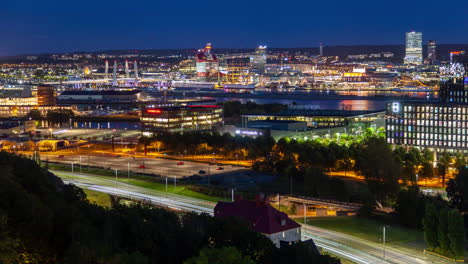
(395, 107)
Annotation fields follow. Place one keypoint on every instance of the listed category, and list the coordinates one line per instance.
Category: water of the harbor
(335, 100)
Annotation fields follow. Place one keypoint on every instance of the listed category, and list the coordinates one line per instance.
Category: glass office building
(440, 126)
(413, 53)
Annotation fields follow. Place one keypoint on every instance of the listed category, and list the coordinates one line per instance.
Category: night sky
(34, 26)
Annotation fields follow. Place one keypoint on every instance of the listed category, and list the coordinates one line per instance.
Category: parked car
(142, 167)
(201, 172)
(61, 156)
(180, 163)
(220, 168)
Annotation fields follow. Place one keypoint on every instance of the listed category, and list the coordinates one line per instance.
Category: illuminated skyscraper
(259, 59)
(413, 48)
(431, 52)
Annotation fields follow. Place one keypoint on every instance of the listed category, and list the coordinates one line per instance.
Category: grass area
(368, 229)
(179, 189)
(144, 181)
(342, 260)
(98, 198)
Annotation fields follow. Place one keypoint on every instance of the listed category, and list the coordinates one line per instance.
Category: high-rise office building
(441, 126)
(46, 95)
(431, 52)
(413, 48)
(259, 59)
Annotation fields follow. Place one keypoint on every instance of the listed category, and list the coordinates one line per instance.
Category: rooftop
(260, 214)
(104, 92)
(314, 112)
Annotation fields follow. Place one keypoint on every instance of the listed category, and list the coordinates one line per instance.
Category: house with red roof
(263, 218)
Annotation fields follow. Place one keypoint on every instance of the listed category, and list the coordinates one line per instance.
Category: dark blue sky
(35, 26)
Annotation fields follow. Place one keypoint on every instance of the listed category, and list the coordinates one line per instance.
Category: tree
(409, 207)
(442, 166)
(34, 114)
(145, 141)
(224, 255)
(457, 190)
(431, 225)
(456, 233)
(60, 116)
(442, 232)
(380, 168)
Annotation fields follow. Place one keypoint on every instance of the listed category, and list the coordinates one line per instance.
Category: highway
(349, 247)
(163, 167)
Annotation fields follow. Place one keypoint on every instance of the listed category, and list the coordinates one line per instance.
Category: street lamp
(384, 241)
(305, 214)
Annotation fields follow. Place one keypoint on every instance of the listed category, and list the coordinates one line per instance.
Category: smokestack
(106, 73)
(127, 72)
(135, 64)
(321, 49)
(114, 74)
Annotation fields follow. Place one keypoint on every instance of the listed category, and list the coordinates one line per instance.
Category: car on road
(142, 167)
(180, 163)
(220, 168)
(201, 172)
(61, 156)
(212, 163)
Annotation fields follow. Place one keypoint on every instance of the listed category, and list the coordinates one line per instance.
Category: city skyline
(51, 27)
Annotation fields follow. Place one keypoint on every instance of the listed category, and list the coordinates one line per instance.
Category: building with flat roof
(46, 95)
(105, 96)
(181, 118)
(441, 126)
(413, 54)
(322, 118)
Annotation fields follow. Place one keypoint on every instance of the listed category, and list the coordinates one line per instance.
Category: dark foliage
(43, 220)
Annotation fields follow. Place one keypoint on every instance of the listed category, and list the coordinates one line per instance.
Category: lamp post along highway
(128, 170)
(80, 164)
(384, 242)
(305, 214)
(72, 167)
(166, 184)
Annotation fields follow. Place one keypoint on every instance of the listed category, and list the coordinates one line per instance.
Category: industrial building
(181, 118)
(105, 96)
(16, 127)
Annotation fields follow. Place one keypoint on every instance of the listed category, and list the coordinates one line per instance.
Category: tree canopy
(43, 220)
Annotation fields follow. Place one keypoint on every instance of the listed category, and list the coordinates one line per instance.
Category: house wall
(292, 235)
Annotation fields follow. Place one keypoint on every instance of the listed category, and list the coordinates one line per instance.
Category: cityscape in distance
(342, 151)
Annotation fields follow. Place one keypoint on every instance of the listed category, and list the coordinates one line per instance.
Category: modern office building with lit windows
(181, 118)
(441, 126)
(414, 54)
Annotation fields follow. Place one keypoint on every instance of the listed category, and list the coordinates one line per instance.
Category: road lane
(346, 246)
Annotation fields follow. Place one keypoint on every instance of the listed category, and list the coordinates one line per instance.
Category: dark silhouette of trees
(43, 220)
(457, 190)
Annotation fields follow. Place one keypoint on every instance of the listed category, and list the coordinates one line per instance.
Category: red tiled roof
(262, 216)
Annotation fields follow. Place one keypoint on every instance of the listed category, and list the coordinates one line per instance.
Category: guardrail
(353, 206)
